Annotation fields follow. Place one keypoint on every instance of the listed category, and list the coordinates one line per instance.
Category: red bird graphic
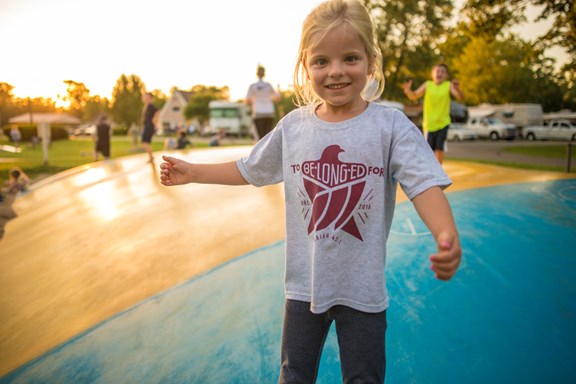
(334, 187)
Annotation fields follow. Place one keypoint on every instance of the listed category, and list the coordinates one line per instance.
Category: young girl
(340, 157)
(436, 94)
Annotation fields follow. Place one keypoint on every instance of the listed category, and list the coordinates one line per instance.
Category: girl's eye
(351, 59)
(320, 62)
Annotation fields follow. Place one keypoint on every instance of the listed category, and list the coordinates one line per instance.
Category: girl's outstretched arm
(456, 91)
(174, 171)
(435, 211)
(413, 95)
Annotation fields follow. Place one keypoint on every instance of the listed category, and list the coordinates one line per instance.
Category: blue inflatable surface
(507, 316)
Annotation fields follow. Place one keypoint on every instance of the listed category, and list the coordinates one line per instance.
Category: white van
(233, 117)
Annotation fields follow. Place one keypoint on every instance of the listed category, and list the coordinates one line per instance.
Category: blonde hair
(323, 19)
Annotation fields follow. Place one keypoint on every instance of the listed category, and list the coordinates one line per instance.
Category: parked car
(554, 130)
(85, 130)
(491, 128)
(459, 132)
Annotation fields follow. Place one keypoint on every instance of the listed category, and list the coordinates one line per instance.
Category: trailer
(232, 117)
(561, 115)
(521, 115)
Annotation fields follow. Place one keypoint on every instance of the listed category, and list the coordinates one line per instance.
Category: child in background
(340, 157)
(436, 119)
(216, 140)
(182, 141)
(17, 182)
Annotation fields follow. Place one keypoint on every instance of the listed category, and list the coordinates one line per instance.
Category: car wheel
(457, 138)
(531, 137)
(494, 136)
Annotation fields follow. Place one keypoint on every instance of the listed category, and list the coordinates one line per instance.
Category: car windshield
(494, 120)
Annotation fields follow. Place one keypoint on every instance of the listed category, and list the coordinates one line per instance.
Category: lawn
(553, 151)
(65, 154)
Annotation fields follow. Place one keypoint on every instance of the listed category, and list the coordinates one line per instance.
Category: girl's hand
(406, 86)
(174, 171)
(445, 263)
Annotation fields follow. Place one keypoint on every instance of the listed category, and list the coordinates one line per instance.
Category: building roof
(185, 94)
(50, 118)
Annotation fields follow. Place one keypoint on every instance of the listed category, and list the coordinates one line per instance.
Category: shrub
(28, 131)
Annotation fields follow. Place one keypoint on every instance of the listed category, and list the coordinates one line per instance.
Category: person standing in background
(149, 120)
(261, 96)
(102, 137)
(15, 136)
(436, 94)
(134, 135)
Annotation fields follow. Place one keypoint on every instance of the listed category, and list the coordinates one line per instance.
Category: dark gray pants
(263, 125)
(361, 340)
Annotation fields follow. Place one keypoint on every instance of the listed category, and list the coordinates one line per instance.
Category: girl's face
(338, 67)
(439, 74)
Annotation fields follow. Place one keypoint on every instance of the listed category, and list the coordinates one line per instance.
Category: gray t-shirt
(340, 184)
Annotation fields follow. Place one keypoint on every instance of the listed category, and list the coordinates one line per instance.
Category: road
(495, 151)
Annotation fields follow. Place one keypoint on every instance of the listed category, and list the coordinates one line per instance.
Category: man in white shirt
(261, 96)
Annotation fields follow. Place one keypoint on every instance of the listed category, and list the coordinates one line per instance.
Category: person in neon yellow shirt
(436, 94)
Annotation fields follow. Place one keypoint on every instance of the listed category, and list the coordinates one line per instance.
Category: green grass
(551, 151)
(548, 151)
(533, 167)
(66, 154)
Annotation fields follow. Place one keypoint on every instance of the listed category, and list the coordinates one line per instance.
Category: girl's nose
(336, 69)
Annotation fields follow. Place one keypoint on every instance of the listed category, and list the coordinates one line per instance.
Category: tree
(96, 106)
(507, 70)
(198, 104)
(159, 98)
(286, 104)
(127, 101)
(409, 32)
(488, 19)
(7, 108)
(77, 96)
(567, 82)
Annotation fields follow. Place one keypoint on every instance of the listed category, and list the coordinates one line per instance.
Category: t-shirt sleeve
(412, 161)
(263, 166)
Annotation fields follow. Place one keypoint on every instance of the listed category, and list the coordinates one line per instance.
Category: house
(172, 113)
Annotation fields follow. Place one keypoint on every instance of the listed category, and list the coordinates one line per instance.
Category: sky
(166, 43)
